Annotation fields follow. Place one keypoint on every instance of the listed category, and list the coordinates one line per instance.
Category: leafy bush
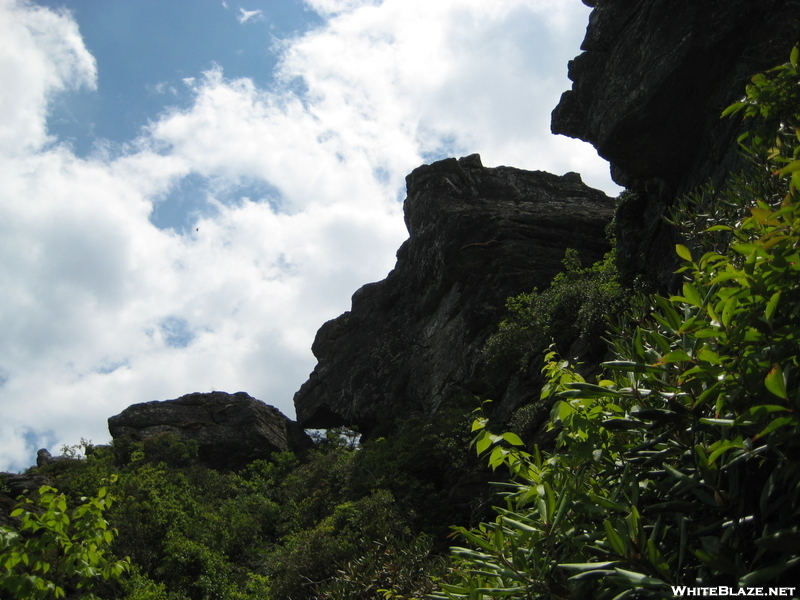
(170, 449)
(575, 306)
(310, 557)
(682, 466)
(419, 464)
(57, 550)
(193, 530)
(368, 506)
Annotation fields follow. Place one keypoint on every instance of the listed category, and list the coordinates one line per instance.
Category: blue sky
(188, 190)
(145, 48)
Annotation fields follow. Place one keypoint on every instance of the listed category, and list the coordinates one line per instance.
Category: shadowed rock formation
(648, 92)
(232, 430)
(414, 340)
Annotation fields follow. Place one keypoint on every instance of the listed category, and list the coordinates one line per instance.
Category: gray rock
(12, 486)
(232, 430)
(18, 484)
(414, 340)
(43, 457)
(648, 92)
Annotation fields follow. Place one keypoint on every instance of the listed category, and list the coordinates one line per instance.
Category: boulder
(43, 457)
(231, 430)
(414, 340)
(648, 91)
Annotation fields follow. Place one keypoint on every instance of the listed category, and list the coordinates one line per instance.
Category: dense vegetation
(680, 464)
(341, 522)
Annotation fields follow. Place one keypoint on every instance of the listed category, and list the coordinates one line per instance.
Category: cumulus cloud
(100, 308)
(464, 76)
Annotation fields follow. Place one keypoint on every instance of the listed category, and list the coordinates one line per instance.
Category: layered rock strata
(476, 236)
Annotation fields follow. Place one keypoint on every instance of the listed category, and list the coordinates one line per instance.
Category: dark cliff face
(477, 236)
(648, 92)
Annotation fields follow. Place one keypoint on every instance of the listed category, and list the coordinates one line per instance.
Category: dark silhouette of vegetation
(574, 308)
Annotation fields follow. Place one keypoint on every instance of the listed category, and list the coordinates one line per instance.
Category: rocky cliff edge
(648, 91)
(413, 341)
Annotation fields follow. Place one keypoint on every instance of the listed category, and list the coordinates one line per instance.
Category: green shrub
(396, 567)
(58, 550)
(310, 556)
(574, 307)
(170, 449)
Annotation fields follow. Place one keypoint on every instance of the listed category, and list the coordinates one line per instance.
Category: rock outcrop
(43, 457)
(412, 341)
(648, 91)
(18, 484)
(231, 430)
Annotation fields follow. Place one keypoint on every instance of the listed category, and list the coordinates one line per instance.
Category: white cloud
(100, 309)
(328, 8)
(249, 15)
(483, 75)
(41, 53)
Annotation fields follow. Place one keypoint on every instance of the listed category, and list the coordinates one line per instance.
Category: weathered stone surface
(477, 236)
(232, 430)
(648, 92)
(20, 483)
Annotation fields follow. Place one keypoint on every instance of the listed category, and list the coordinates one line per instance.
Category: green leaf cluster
(57, 550)
(682, 463)
(771, 99)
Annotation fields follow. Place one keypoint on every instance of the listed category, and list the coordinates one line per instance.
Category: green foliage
(419, 464)
(139, 587)
(311, 555)
(57, 550)
(682, 465)
(353, 514)
(336, 437)
(193, 530)
(170, 449)
(773, 147)
(772, 99)
(574, 306)
(343, 519)
(396, 567)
